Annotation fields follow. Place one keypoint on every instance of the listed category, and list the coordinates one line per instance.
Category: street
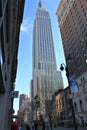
(63, 128)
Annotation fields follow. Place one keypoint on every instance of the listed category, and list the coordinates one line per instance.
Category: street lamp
(62, 67)
(37, 103)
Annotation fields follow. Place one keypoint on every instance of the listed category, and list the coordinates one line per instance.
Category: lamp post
(64, 67)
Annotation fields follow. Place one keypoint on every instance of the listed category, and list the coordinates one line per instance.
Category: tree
(49, 108)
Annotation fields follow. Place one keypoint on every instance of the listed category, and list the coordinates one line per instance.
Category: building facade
(63, 107)
(72, 19)
(60, 105)
(11, 14)
(80, 100)
(22, 98)
(44, 62)
(24, 112)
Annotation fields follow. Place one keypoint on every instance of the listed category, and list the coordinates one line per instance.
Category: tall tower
(45, 75)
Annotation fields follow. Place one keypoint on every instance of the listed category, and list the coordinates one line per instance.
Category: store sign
(14, 94)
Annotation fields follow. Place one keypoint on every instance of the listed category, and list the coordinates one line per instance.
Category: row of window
(47, 67)
(2, 55)
(42, 13)
(45, 42)
(81, 105)
(60, 103)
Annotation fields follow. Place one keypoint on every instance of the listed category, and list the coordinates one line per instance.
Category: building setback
(11, 14)
(45, 74)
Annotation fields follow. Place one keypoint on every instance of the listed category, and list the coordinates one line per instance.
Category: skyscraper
(45, 74)
(72, 18)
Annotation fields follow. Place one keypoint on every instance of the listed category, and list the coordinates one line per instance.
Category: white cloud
(26, 25)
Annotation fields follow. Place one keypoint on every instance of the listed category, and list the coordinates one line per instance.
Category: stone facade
(11, 13)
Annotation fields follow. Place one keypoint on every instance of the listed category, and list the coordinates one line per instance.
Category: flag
(72, 83)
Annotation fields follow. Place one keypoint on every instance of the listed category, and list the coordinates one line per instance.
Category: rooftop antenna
(40, 4)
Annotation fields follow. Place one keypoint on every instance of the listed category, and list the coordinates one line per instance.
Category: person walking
(20, 128)
(35, 126)
(27, 127)
(14, 126)
(43, 125)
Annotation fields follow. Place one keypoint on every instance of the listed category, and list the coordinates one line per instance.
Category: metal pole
(73, 113)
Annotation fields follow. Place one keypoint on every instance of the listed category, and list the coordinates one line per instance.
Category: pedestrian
(20, 128)
(35, 126)
(32, 126)
(86, 124)
(14, 126)
(46, 124)
(43, 125)
(27, 127)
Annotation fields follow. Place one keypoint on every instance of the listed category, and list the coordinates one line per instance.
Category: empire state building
(46, 78)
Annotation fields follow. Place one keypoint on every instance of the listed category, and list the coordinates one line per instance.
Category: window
(86, 14)
(81, 105)
(7, 23)
(86, 60)
(83, 49)
(2, 44)
(75, 106)
(39, 67)
(84, 88)
(86, 99)
(0, 9)
(2, 89)
(84, 55)
(82, 79)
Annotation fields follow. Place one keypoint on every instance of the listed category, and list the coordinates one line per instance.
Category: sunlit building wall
(72, 19)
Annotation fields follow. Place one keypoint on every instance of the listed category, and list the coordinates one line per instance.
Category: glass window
(86, 14)
(86, 60)
(81, 105)
(84, 87)
(84, 55)
(75, 106)
(2, 57)
(86, 99)
(0, 9)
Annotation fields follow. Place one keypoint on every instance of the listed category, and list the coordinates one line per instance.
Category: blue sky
(24, 71)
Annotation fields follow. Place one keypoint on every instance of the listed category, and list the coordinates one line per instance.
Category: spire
(40, 4)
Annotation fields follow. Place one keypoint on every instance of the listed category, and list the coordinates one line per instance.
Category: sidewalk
(64, 128)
